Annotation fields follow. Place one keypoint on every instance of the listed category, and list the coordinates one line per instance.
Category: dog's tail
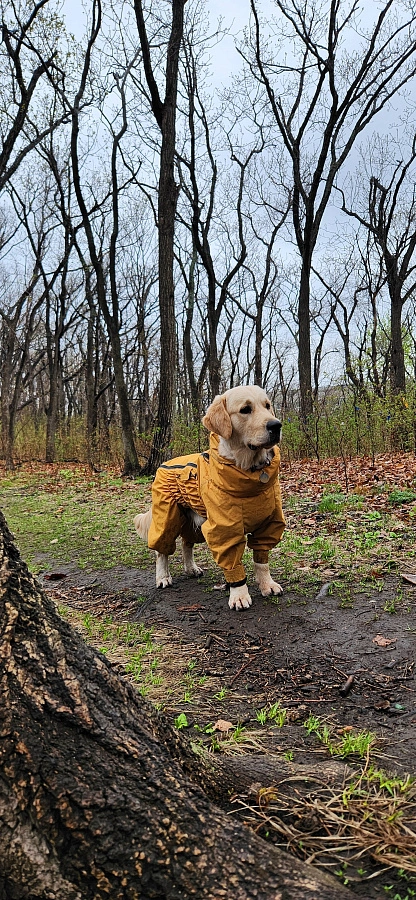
(142, 523)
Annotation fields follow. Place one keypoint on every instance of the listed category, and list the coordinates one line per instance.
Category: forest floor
(325, 672)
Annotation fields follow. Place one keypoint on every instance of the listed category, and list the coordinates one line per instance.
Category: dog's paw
(193, 570)
(164, 581)
(272, 588)
(190, 567)
(239, 597)
(265, 581)
(163, 576)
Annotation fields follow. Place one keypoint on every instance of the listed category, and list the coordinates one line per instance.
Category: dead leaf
(309, 521)
(223, 725)
(382, 641)
(382, 704)
(408, 577)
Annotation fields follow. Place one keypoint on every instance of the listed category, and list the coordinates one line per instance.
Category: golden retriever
(230, 492)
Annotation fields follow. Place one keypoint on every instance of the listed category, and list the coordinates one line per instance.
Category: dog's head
(244, 418)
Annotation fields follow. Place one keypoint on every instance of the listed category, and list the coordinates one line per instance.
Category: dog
(228, 496)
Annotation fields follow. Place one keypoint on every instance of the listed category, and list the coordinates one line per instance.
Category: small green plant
(181, 721)
(274, 713)
(332, 503)
(312, 724)
(63, 611)
(277, 714)
(390, 606)
(221, 694)
(237, 733)
(134, 666)
(87, 623)
(351, 744)
(354, 744)
(390, 783)
(398, 496)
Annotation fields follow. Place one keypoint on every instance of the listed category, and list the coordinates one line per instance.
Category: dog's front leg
(239, 597)
(265, 581)
(163, 576)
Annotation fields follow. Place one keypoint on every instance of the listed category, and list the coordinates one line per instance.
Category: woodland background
(164, 237)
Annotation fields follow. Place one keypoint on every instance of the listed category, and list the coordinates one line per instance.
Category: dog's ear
(217, 419)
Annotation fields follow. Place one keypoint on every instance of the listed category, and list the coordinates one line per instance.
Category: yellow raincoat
(234, 502)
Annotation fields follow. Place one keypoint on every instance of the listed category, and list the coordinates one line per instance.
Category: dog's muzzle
(273, 428)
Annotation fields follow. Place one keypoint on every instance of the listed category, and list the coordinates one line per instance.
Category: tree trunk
(397, 366)
(188, 348)
(168, 190)
(99, 795)
(90, 378)
(52, 410)
(304, 348)
(7, 425)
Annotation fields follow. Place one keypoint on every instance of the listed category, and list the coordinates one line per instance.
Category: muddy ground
(352, 665)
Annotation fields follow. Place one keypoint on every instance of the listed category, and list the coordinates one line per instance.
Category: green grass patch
(68, 516)
(349, 744)
(398, 496)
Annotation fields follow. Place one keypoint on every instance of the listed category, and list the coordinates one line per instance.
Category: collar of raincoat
(227, 476)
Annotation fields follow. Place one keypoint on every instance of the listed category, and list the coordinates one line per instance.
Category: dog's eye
(268, 406)
(245, 410)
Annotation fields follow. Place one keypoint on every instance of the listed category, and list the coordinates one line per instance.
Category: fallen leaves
(310, 477)
(382, 641)
(222, 725)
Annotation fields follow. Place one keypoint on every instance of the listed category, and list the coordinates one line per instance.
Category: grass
(70, 517)
(273, 713)
(350, 744)
(356, 831)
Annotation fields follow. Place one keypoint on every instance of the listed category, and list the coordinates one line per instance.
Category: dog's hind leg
(189, 565)
(163, 576)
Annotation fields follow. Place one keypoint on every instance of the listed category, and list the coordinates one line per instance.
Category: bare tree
(325, 76)
(390, 220)
(109, 306)
(18, 323)
(30, 57)
(164, 112)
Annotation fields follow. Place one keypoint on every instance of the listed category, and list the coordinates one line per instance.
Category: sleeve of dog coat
(269, 532)
(224, 534)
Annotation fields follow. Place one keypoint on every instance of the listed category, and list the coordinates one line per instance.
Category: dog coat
(235, 503)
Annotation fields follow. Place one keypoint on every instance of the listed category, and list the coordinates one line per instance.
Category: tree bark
(99, 795)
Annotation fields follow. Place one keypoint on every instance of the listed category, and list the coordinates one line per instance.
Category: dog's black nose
(274, 428)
